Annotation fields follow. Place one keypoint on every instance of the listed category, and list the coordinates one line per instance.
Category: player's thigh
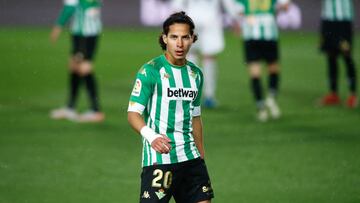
(346, 38)
(91, 43)
(78, 48)
(84, 47)
(156, 184)
(195, 185)
(252, 51)
(270, 51)
(336, 36)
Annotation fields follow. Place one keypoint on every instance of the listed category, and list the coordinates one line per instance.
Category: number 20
(159, 175)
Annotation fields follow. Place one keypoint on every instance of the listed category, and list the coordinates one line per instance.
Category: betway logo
(188, 94)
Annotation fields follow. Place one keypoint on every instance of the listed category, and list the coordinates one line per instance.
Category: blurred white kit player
(208, 19)
(154, 12)
(290, 18)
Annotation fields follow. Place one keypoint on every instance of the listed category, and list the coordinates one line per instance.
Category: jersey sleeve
(66, 12)
(197, 101)
(142, 90)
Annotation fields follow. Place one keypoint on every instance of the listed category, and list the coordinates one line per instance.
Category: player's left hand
(161, 144)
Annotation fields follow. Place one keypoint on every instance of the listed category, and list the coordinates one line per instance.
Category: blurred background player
(260, 34)
(207, 15)
(290, 18)
(85, 29)
(336, 40)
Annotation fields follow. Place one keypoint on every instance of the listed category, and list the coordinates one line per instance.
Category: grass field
(310, 155)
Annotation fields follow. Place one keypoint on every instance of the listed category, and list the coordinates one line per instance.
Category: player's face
(178, 42)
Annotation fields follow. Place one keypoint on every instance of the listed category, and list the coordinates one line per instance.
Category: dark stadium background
(121, 12)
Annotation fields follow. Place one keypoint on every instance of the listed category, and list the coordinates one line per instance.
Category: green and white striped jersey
(168, 96)
(337, 10)
(259, 22)
(86, 15)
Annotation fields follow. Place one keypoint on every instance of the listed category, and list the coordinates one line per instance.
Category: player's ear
(164, 37)
(194, 37)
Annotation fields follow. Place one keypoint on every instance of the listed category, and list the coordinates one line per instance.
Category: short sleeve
(142, 90)
(67, 11)
(199, 83)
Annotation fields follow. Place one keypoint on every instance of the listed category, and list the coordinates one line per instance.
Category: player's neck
(173, 61)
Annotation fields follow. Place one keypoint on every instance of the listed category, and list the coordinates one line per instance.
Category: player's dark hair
(179, 17)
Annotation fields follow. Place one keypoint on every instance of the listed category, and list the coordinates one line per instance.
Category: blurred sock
(257, 91)
(274, 79)
(351, 73)
(92, 91)
(332, 72)
(74, 83)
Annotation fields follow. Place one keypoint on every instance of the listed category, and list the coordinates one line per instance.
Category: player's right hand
(55, 33)
(161, 144)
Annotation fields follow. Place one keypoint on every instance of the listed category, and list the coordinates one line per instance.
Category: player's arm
(159, 143)
(142, 91)
(196, 117)
(65, 14)
(198, 135)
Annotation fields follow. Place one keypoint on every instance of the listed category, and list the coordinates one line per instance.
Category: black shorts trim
(84, 47)
(336, 35)
(187, 182)
(257, 50)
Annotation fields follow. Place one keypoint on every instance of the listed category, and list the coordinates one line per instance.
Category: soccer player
(85, 29)
(336, 40)
(207, 16)
(164, 108)
(260, 34)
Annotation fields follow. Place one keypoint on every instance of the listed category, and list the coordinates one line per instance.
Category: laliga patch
(187, 94)
(137, 88)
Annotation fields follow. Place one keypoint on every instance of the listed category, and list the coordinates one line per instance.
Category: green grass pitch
(310, 155)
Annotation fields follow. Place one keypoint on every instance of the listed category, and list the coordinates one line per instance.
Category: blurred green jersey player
(260, 34)
(337, 40)
(85, 29)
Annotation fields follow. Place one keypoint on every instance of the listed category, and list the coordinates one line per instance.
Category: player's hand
(236, 28)
(55, 33)
(161, 144)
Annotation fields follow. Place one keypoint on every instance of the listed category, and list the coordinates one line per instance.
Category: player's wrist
(149, 134)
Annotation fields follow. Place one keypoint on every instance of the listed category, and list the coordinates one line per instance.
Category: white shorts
(210, 39)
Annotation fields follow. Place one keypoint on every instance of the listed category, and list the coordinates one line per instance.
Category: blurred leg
(274, 78)
(332, 71)
(332, 98)
(210, 76)
(90, 82)
(351, 73)
(74, 83)
(256, 87)
(352, 100)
